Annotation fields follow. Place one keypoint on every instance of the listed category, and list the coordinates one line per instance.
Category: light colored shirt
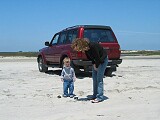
(68, 73)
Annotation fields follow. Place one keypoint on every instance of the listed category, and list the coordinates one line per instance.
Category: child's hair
(80, 43)
(66, 60)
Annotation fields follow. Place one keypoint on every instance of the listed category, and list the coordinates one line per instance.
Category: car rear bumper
(89, 63)
(82, 63)
(114, 62)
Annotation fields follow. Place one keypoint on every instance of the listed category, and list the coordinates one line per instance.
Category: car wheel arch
(42, 56)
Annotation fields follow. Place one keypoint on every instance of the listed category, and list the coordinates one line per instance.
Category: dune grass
(141, 52)
(25, 54)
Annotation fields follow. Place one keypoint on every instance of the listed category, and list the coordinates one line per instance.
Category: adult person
(98, 56)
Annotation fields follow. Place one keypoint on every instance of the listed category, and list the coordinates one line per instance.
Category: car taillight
(79, 54)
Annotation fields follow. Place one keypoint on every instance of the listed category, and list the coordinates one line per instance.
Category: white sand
(26, 94)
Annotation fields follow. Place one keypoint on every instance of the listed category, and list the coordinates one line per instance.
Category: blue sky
(26, 24)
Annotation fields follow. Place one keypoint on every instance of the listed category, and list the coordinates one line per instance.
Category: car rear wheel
(76, 68)
(41, 66)
(108, 72)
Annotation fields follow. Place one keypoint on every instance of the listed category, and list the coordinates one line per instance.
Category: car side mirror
(47, 43)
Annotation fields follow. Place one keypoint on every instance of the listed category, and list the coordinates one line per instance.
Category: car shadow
(79, 75)
(54, 72)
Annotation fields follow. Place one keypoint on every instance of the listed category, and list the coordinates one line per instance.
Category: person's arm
(96, 49)
(73, 75)
(89, 57)
(95, 68)
(62, 75)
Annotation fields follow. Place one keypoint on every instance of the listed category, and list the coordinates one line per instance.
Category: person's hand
(95, 67)
(74, 79)
(62, 80)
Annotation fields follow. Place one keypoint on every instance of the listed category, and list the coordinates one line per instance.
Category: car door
(51, 50)
(60, 47)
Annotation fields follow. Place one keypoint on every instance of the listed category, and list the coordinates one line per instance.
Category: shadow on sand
(79, 75)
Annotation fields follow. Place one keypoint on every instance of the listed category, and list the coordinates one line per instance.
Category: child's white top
(68, 73)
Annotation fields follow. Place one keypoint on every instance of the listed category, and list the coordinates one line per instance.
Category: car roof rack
(87, 26)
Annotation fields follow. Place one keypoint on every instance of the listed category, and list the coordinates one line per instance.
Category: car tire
(41, 65)
(108, 72)
(76, 68)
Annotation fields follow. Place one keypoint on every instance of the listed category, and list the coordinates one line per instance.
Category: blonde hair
(81, 44)
(66, 60)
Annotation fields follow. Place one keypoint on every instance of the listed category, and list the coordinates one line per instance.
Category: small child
(68, 78)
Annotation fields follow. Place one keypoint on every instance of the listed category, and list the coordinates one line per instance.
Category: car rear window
(99, 35)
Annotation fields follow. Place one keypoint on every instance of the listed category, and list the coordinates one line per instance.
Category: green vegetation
(141, 52)
(25, 54)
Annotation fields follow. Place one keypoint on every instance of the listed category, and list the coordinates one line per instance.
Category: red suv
(60, 47)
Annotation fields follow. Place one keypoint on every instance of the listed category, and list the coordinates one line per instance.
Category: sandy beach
(133, 93)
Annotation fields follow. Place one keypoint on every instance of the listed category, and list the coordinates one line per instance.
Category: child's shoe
(65, 95)
(71, 96)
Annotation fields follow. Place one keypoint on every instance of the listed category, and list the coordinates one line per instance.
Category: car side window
(72, 34)
(55, 39)
(69, 38)
(62, 38)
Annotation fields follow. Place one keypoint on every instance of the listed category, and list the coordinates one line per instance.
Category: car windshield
(99, 35)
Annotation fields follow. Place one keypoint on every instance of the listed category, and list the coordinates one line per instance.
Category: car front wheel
(41, 66)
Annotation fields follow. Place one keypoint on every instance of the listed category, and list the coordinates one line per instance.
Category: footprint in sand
(6, 91)
(81, 93)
